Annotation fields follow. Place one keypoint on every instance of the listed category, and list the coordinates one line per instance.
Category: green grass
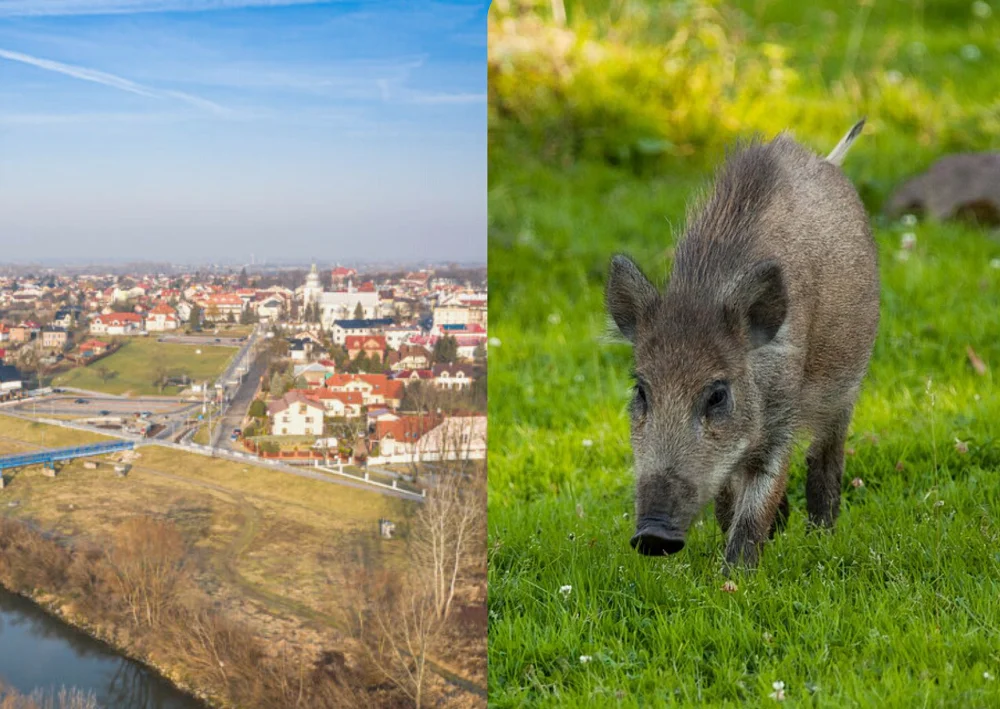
(133, 369)
(900, 607)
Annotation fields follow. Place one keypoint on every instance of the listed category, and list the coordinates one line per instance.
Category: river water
(39, 651)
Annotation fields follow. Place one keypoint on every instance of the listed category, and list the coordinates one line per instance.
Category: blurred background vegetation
(647, 85)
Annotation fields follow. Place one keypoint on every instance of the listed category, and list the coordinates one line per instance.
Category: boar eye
(717, 399)
(640, 402)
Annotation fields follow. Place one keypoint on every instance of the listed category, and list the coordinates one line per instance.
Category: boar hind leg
(756, 511)
(825, 468)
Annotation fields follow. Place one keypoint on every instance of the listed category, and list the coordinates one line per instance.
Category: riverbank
(59, 609)
(47, 659)
(138, 598)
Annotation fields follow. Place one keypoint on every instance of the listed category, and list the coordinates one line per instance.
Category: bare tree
(445, 533)
(394, 621)
(147, 561)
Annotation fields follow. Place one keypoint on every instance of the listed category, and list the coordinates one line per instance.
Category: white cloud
(111, 80)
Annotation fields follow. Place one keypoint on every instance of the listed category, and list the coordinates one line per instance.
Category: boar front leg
(825, 469)
(755, 514)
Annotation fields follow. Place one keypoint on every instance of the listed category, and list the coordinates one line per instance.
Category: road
(208, 340)
(240, 403)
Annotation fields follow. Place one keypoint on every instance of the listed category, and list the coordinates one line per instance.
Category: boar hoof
(657, 540)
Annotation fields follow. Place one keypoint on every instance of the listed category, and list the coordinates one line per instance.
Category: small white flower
(584, 659)
(971, 53)
(555, 318)
(908, 240)
(987, 676)
(939, 503)
(494, 342)
(909, 220)
(587, 443)
(995, 263)
(578, 378)
(893, 77)
(902, 255)
(778, 694)
(565, 591)
(981, 9)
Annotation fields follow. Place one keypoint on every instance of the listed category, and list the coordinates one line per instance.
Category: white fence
(237, 456)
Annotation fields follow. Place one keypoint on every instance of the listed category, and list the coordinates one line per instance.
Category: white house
(117, 324)
(457, 438)
(296, 415)
(162, 318)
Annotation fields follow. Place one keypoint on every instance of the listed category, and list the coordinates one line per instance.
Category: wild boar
(764, 330)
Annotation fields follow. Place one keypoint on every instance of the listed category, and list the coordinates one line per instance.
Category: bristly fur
(723, 227)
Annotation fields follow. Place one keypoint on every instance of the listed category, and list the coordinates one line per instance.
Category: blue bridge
(52, 455)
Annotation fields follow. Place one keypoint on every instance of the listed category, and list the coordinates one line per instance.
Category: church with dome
(338, 304)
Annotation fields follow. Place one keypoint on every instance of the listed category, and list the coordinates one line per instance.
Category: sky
(198, 131)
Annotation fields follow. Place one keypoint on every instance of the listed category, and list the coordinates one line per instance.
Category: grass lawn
(901, 606)
(133, 369)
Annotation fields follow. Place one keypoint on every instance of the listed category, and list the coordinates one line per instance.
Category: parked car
(80, 401)
(218, 339)
(104, 412)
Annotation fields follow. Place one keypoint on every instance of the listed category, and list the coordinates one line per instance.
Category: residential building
(342, 329)
(162, 318)
(295, 414)
(117, 324)
(54, 338)
(371, 346)
(453, 376)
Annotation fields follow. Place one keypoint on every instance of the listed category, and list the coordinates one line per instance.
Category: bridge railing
(53, 454)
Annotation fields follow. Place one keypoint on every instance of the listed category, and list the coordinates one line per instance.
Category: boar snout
(655, 536)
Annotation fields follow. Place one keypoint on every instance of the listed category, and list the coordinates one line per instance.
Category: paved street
(240, 403)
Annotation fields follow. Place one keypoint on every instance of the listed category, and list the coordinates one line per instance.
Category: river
(39, 651)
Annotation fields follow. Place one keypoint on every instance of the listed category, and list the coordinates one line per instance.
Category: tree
(212, 313)
(258, 409)
(147, 559)
(243, 281)
(444, 535)
(445, 350)
(479, 354)
(393, 619)
(195, 319)
(359, 312)
(160, 376)
(105, 374)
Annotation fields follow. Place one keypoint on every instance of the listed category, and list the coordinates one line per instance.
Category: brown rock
(961, 186)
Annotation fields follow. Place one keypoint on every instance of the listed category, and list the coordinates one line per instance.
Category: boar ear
(627, 294)
(760, 302)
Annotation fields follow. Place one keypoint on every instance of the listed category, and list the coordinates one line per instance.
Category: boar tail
(837, 155)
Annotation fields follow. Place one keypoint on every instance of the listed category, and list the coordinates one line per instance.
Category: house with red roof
(162, 318)
(369, 345)
(116, 324)
(217, 307)
(296, 414)
(93, 348)
(399, 435)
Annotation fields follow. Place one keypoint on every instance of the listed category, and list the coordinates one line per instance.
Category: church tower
(313, 289)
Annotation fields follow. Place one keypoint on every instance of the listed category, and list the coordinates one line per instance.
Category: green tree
(195, 320)
(243, 280)
(359, 312)
(445, 350)
(479, 355)
(258, 409)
